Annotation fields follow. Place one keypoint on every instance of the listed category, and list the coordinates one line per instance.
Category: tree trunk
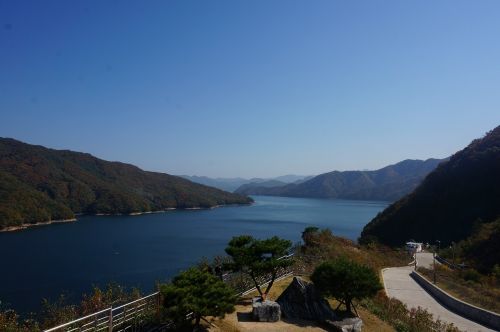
(257, 286)
(273, 277)
(348, 305)
(197, 322)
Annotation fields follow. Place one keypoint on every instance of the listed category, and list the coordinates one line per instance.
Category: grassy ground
(467, 286)
(326, 246)
(389, 313)
(378, 314)
(241, 321)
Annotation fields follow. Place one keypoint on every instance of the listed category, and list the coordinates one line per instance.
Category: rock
(346, 325)
(265, 311)
(302, 300)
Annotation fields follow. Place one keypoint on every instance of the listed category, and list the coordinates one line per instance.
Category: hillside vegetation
(387, 184)
(38, 184)
(457, 200)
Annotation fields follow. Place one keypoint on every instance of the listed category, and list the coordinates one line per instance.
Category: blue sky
(250, 88)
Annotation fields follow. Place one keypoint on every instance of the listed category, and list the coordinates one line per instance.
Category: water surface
(45, 261)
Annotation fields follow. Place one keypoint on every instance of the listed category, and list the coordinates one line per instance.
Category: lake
(45, 261)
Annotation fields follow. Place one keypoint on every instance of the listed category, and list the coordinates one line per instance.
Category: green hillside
(388, 184)
(454, 202)
(38, 184)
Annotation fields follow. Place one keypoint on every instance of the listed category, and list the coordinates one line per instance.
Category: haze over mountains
(38, 184)
(388, 183)
(231, 184)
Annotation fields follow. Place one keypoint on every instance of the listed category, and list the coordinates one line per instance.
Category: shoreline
(147, 212)
(43, 223)
(50, 222)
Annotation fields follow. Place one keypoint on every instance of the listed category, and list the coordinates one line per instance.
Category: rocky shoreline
(24, 226)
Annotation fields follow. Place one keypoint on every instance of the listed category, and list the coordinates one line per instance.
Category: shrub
(397, 314)
(471, 275)
(10, 322)
(346, 281)
(197, 292)
(309, 236)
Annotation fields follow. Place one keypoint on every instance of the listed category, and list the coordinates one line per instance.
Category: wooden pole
(415, 255)
(434, 266)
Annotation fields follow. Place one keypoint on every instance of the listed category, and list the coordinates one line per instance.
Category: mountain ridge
(231, 184)
(453, 201)
(388, 183)
(39, 184)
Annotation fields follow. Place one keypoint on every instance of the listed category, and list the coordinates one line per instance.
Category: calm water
(45, 261)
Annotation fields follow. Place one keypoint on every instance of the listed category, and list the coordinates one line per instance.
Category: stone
(265, 311)
(346, 325)
(302, 300)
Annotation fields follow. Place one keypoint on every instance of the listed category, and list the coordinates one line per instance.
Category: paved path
(400, 285)
(425, 259)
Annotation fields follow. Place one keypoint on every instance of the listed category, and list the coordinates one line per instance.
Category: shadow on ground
(246, 317)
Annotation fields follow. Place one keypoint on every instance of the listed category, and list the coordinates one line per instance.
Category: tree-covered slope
(451, 202)
(482, 249)
(388, 183)
(39, 184)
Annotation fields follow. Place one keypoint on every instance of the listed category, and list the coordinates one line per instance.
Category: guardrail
(113, 319)
(124, 317)
(464, 309)
(449, 264)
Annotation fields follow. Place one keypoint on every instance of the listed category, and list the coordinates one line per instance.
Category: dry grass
(327, 246)
(482, 292)
(239, 320)
(379, 313)
(370, 321)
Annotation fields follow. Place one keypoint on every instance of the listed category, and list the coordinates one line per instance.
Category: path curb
(487, 318)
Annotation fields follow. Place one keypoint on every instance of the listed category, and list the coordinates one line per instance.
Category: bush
(346, 281)
(10, 322)
(197, 292)
(397, 314)
(309, 236)
(471, 275)
(61, 311)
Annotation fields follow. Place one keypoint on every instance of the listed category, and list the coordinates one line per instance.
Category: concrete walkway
(426, 259)
(400, 285)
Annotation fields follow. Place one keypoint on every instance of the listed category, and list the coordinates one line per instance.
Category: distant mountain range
(38, 184)
(388, 183)
(459, 200)
(231, 184)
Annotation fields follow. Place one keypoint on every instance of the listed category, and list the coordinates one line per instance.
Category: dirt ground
(241, 318)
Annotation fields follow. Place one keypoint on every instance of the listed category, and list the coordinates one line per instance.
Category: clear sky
(250, 88)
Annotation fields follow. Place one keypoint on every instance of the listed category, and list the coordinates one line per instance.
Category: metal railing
(128, 315)
(116, 319)
(450, 264)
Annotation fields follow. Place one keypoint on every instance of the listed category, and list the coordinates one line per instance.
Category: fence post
(158, 302)
(110, 326)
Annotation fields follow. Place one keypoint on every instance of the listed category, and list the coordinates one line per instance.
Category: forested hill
(38, 184)
(451, 203)
(389, 183)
